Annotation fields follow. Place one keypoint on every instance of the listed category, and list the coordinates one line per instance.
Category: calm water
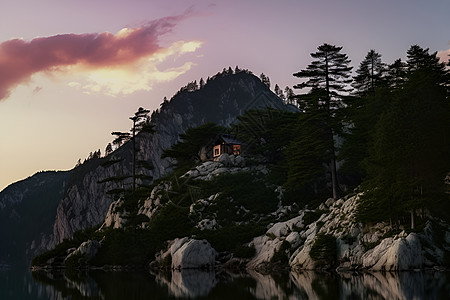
(221, 285)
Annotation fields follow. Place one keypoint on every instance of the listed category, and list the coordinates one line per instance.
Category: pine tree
(396, 74)
(306, 154)
(108, 149)
(202, 83)
(410, 153)
(187, 151)
(141, 123)
(328, 75)
(265, 79)
(279, 92)
(289, 95)
(369, 73)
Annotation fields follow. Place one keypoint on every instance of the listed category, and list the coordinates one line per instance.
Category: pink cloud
(19, 59)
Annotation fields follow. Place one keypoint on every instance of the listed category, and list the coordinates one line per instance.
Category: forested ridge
(383, 130)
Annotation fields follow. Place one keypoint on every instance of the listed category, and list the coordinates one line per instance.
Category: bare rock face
(186, 253)
(116, 216)
(87, 249)
(152, 203)
(265, 250)
(192, 254)
(395, 254)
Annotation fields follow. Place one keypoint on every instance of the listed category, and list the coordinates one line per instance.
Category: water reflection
(59, 284)
(223, 285)
(189, 283)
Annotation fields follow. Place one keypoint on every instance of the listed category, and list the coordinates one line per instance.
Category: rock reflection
(220, 284)
(377, 285)
(189, 283)
(58, 284)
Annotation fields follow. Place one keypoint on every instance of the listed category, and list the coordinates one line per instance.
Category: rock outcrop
(186, 253)
(86, 251)
(353, 243)
(116, 215)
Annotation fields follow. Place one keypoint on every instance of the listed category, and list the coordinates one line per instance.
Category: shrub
(324, 251)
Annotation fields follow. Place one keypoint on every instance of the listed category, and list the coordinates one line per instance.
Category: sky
(73, 71)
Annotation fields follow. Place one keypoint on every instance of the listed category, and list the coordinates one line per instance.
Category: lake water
(23, 284)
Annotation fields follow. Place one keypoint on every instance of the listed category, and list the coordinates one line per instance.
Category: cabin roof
(228, 139)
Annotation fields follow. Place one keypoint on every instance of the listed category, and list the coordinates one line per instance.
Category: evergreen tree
(265, 79)
(141, 123)
(328, 75)
(396, 74)
(187, 151)
(108, 149)
(306, 154)
(202, 83)
(369, 73)
(279, 92)
(289, 95)
(266, 132)
(410, 153)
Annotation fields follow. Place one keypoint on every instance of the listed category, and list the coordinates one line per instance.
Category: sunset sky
(73, 71)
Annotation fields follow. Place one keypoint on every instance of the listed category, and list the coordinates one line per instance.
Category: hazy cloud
(37, 90)
(108, 57)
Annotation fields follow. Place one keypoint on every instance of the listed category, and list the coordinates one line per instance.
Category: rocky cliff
(84, 201)
(27, 212)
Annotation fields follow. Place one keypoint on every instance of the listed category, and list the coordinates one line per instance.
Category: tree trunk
(412, 220)
(134, 156)
(334, 183)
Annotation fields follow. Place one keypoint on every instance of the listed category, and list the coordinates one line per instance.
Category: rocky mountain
(82, 200)
(27, 211)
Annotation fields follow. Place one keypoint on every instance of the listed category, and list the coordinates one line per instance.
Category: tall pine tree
(330, 73)
(369, 73)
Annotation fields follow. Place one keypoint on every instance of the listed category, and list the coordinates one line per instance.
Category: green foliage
(187, 151)
(410, 150)
(266, 132)
(231, 238)
(308, 153)
(326, 78)
(324, 250)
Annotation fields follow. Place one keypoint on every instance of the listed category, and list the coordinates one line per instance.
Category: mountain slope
(27, 210)
(85, 201)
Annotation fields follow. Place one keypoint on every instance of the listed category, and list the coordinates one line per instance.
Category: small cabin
(226, 143)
